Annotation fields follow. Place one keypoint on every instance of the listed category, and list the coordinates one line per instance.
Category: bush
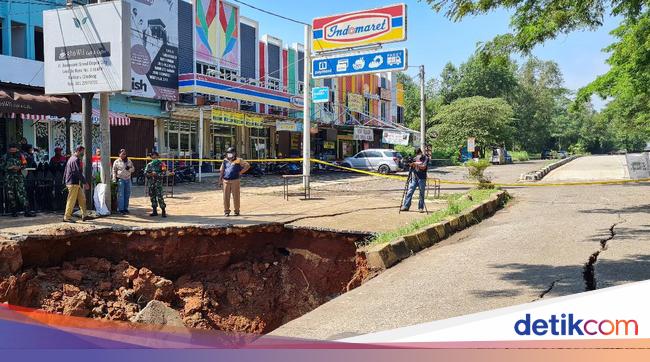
(406, 151)
(519, 156)
(578, 149)
(476, 171)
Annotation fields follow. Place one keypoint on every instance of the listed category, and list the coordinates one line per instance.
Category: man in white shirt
(122, 170)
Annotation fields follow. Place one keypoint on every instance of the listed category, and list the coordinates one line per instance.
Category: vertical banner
(228, 35)
(205, 15)
(154, 49)
(355, 102)
(471, 144)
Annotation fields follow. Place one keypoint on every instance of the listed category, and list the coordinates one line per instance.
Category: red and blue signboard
(374, 26)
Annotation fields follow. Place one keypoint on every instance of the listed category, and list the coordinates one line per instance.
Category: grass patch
(519, 156)
(456, 204)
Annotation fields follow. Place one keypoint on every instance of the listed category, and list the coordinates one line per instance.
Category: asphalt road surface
(537, 247)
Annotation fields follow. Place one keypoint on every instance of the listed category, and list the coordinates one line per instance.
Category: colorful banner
(363, 134)
(374, 26)
(355, 102)
(205, 30)
(228, 35)
(229, 118)
(154, 49)
(395, 137)
(192, 82)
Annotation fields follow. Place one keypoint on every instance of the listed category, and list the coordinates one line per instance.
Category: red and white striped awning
(39, 117)
(115, 118)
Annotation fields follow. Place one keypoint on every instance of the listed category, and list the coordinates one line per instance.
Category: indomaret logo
(357, 27)
(569, 325)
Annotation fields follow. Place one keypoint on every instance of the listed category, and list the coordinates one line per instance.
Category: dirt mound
(252, 297)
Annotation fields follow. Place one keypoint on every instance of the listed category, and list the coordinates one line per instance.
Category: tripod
(406, 187)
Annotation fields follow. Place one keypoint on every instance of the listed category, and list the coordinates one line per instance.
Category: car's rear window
(392, 154)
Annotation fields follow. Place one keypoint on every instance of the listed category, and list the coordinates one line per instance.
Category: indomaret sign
(374, 26)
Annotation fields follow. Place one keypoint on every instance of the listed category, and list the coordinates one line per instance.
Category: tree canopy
(489, 120)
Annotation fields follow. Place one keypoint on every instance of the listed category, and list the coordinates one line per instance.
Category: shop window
(38, 44)
(301, 88)
(18, 40)
(366, 107)
(383, 110)
(400, 114)
(228, 74)
(273, 84)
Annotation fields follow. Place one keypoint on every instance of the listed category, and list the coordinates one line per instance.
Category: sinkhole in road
(245, 279)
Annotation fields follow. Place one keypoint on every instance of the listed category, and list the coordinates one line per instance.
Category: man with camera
(122, 171)
(417, 179)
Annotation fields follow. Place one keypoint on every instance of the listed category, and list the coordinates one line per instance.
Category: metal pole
(87, 136)
(422, 111)
(200, 141)
(105, 131)
(306, 128)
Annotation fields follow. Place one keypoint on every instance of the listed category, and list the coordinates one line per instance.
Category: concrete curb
(384, 256)
(539, 174)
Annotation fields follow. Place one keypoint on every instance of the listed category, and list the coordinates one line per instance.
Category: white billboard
(395, 137)
(154, 49)
(363, 134)
(87, 49)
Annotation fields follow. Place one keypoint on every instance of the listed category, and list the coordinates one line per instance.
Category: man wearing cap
(230, 173)
(155, 171)
(13, 164)
(74, 179)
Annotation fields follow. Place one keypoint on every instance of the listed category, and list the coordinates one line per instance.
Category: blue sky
(433, 40)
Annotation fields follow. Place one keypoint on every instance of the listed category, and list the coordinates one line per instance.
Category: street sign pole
(306, 129)
(422, 112)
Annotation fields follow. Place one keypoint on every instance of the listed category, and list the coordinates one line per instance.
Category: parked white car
(375, 159)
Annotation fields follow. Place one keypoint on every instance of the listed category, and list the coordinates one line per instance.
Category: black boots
(155, 212)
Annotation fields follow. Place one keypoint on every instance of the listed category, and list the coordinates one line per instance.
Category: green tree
(412, 99)
(534, 22)
(489, 120)
(487, 76)
(627, 83)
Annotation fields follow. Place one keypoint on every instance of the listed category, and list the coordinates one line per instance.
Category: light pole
(306, 121)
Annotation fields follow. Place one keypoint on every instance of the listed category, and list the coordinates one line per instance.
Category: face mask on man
(230, 156)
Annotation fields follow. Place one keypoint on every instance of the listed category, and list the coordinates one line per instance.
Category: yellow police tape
(403, 178)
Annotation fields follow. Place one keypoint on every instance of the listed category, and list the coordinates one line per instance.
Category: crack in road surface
(547, 290)
(589, 271)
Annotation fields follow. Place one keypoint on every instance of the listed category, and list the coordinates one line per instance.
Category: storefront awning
(33, 103)
(115, 118)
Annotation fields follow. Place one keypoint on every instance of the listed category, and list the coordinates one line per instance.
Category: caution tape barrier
(403, 178)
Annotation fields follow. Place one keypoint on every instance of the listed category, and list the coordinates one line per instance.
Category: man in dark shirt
(74, 179)
(418, 179)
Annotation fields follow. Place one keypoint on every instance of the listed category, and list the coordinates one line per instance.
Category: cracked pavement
(537, 247)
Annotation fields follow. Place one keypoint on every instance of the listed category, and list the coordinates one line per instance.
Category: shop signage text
(355, 102)
(363, 134)
(392, 137)
(288, 126)
(236, 119)
(374, 26)
(320, 94)
(75, 60)
(360, 63)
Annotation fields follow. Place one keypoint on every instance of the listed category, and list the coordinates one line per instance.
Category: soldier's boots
(155, 212)
(164, 213)
(14, 213)
(30, 214)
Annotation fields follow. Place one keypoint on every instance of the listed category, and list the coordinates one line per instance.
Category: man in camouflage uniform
(13, 164)
(155, 171)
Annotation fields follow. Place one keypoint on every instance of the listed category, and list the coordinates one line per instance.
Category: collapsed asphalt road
(540, 246)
